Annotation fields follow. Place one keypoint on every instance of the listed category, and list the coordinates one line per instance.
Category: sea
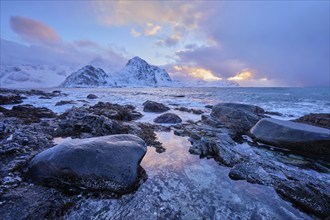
(289, 102)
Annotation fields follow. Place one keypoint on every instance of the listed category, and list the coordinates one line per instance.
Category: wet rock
(102, 163)
(150, 106)
(57, 92)
(194, 111)
(239, 118)
(115, 111)
(250, 171)
(77, 121)
(29, 201)
(65, 102)
(168, 118)
(311, 197)
(28, 113)
(319, 119)
(209, 106)
(146, 131)
(294, 136)
(221, 149)
(10, 99)
(92, 96)
(273, 113)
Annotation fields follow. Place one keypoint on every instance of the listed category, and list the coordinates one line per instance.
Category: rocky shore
(41, 179)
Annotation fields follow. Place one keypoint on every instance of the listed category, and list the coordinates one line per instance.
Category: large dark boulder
(318, 119)
(150, 106)
(168, 118)
(295, 136)
(239, 118)
(109, 163)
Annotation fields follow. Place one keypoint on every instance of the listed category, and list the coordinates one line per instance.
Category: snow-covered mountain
(33, 76)
(138, 72)
(88, 76)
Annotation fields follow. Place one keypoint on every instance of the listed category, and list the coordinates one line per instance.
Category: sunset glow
(206, 39)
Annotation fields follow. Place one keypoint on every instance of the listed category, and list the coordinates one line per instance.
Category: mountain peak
(136, 60)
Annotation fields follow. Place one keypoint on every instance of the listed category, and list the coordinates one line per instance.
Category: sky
(255, 43)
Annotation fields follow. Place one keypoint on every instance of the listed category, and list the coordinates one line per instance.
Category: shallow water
(181, 185)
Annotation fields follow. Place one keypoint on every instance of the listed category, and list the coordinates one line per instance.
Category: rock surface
(151, 106)
(194, 111)
(239, 118)
(92, 96)
(168, 118)
(10, 99)
(65, 102)
(100, 163)
(294, 136)
(319, 119)
(28, 113)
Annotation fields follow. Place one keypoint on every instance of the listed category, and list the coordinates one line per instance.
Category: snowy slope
(88, 77)
(33, 76)
(138, 72)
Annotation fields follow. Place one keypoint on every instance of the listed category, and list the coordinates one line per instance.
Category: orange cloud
(34, 31)
(244, 75)
(141, 12)
(197, 72)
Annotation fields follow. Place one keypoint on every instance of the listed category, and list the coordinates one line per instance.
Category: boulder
(168, 118)
(239, 118)
(92, 96)
(11, 99)
(319, 119)
(194, 111)
(110, 163)
(294, 136)
(150, 106)
(65, 102)
(28, 113)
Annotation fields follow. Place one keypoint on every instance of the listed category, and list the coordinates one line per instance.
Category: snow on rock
(88, 77)
(32, 76)
(138, 73)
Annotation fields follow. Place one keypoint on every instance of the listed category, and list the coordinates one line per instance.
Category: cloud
(86, 44)
(196, 72)
(244, 75)
(140, 12)
(135, 33)
(34, 31)
(47, 47)
(212, 58)
(284, 41)
(170, 41)
(279, 41)
(152, 29)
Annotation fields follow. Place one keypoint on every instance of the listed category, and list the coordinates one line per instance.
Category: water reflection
(182, 186)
